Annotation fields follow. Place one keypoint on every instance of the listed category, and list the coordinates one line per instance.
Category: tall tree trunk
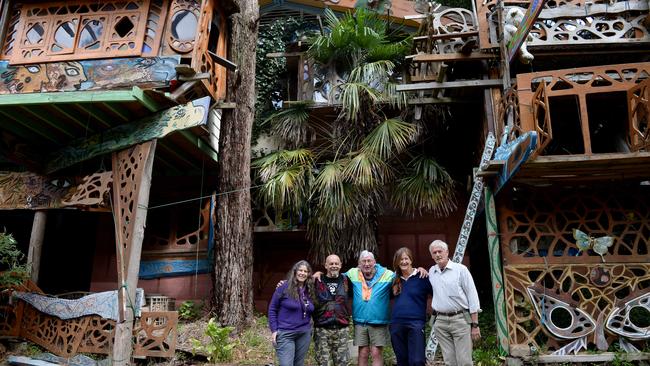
(233, 276)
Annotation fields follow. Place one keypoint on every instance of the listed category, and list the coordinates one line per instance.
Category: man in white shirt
(455, 306)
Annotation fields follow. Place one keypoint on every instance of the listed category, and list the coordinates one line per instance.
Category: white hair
(438, 243)
(365, 253)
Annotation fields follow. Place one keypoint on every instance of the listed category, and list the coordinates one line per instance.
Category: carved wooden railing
(573, 22)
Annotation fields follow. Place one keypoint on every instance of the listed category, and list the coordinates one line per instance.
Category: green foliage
(272, 37)
(189, 310)
(337, 173)
(220, 346)
(15, 271)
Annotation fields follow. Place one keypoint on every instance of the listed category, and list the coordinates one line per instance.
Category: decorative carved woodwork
(577, 82)
(177, 242)
(537, 224)
(155, 27)
(92, 191)
(576, 22)
(33, 191)
(183, 25)
(155, 333)
(638, 99)
(542, 117)
(82, 29)
(211, 37)
(152, 127)
(575, 300)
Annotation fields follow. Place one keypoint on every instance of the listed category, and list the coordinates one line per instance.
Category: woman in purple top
(290, 315)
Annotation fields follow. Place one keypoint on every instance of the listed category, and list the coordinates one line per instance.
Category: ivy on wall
(270, 72)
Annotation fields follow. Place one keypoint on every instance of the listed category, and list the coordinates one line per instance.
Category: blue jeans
(291, 347)
(408, 343)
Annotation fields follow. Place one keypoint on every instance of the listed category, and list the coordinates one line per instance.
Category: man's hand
(423, 272)
(476, 334)
(316, 275)
(280, 284)
(274, 335)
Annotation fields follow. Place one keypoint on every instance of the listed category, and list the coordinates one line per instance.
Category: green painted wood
(49, 119)
(179, 158)
(99, 115)
(68, 97)
(74, 118)
(145, 100)
(156, 126)
(200, 144)
(496, 273)
(16, 119)
(122, 112)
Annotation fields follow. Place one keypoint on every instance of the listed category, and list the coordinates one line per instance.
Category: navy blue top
(411, 303)
(286, 313)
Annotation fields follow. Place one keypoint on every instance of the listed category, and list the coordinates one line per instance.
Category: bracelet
(473, 325)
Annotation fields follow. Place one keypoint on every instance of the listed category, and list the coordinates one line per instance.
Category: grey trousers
(455, 339)
(291, 347)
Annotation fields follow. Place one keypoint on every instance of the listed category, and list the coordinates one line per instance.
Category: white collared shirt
(453, 289)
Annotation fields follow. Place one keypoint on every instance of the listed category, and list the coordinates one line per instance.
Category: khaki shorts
(371, 335)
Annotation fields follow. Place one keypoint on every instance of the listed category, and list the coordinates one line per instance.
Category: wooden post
(496, 273)
(36, 243)
(131, 183)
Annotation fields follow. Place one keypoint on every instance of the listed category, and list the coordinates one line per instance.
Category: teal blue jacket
(372, 304)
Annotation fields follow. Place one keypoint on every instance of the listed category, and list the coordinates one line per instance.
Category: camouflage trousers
(331, 344)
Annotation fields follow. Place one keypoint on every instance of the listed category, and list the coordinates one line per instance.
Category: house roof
(398, 10)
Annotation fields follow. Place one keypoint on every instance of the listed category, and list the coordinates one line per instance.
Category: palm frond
(367, 169)
(426, 187)
(389, 138)
(292, 124)
(351, 98)
(270, 164)
(372, 72)
(288, 187)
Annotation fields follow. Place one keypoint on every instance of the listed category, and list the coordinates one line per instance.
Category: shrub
(220, 346)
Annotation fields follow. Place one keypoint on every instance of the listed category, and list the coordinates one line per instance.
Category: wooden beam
(485, 83)
(73, 117)
(68, 97)
(122, 112)
(200, 144)
(11, 114)
(198, 76)
(225, 105)
(100, 116)
(38, 113)
(456, 56)
(145, 100)
(443, 100)
(223, 61)
(36, 243)
(446, 36)
(284, 54)
(151, 127)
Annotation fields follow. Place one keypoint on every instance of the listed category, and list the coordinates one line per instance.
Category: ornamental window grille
(72, 30)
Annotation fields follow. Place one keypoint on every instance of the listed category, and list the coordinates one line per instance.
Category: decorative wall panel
(551, 307)
(87, 75)
(537, 224)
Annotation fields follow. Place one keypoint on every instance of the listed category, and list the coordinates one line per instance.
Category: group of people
(370, 286)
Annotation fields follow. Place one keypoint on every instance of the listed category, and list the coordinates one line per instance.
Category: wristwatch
(474, 325)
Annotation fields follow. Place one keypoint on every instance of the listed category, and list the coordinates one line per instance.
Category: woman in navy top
(290, 315)
(409, 311)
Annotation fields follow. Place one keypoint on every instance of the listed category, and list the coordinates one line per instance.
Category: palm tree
(343, 173)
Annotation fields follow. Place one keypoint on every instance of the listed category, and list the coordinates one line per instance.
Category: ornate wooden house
(566, 193)
(109, 122)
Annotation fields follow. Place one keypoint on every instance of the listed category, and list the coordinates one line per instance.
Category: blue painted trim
(172, 268)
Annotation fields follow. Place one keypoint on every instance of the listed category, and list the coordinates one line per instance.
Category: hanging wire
(202, 197)
(198, 229)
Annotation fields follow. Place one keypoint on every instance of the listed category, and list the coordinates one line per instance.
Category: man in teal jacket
(371, 284)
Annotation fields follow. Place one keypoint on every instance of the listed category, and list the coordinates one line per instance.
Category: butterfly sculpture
(598, 245)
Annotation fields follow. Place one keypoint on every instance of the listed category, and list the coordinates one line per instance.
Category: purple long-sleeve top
(286, 313)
